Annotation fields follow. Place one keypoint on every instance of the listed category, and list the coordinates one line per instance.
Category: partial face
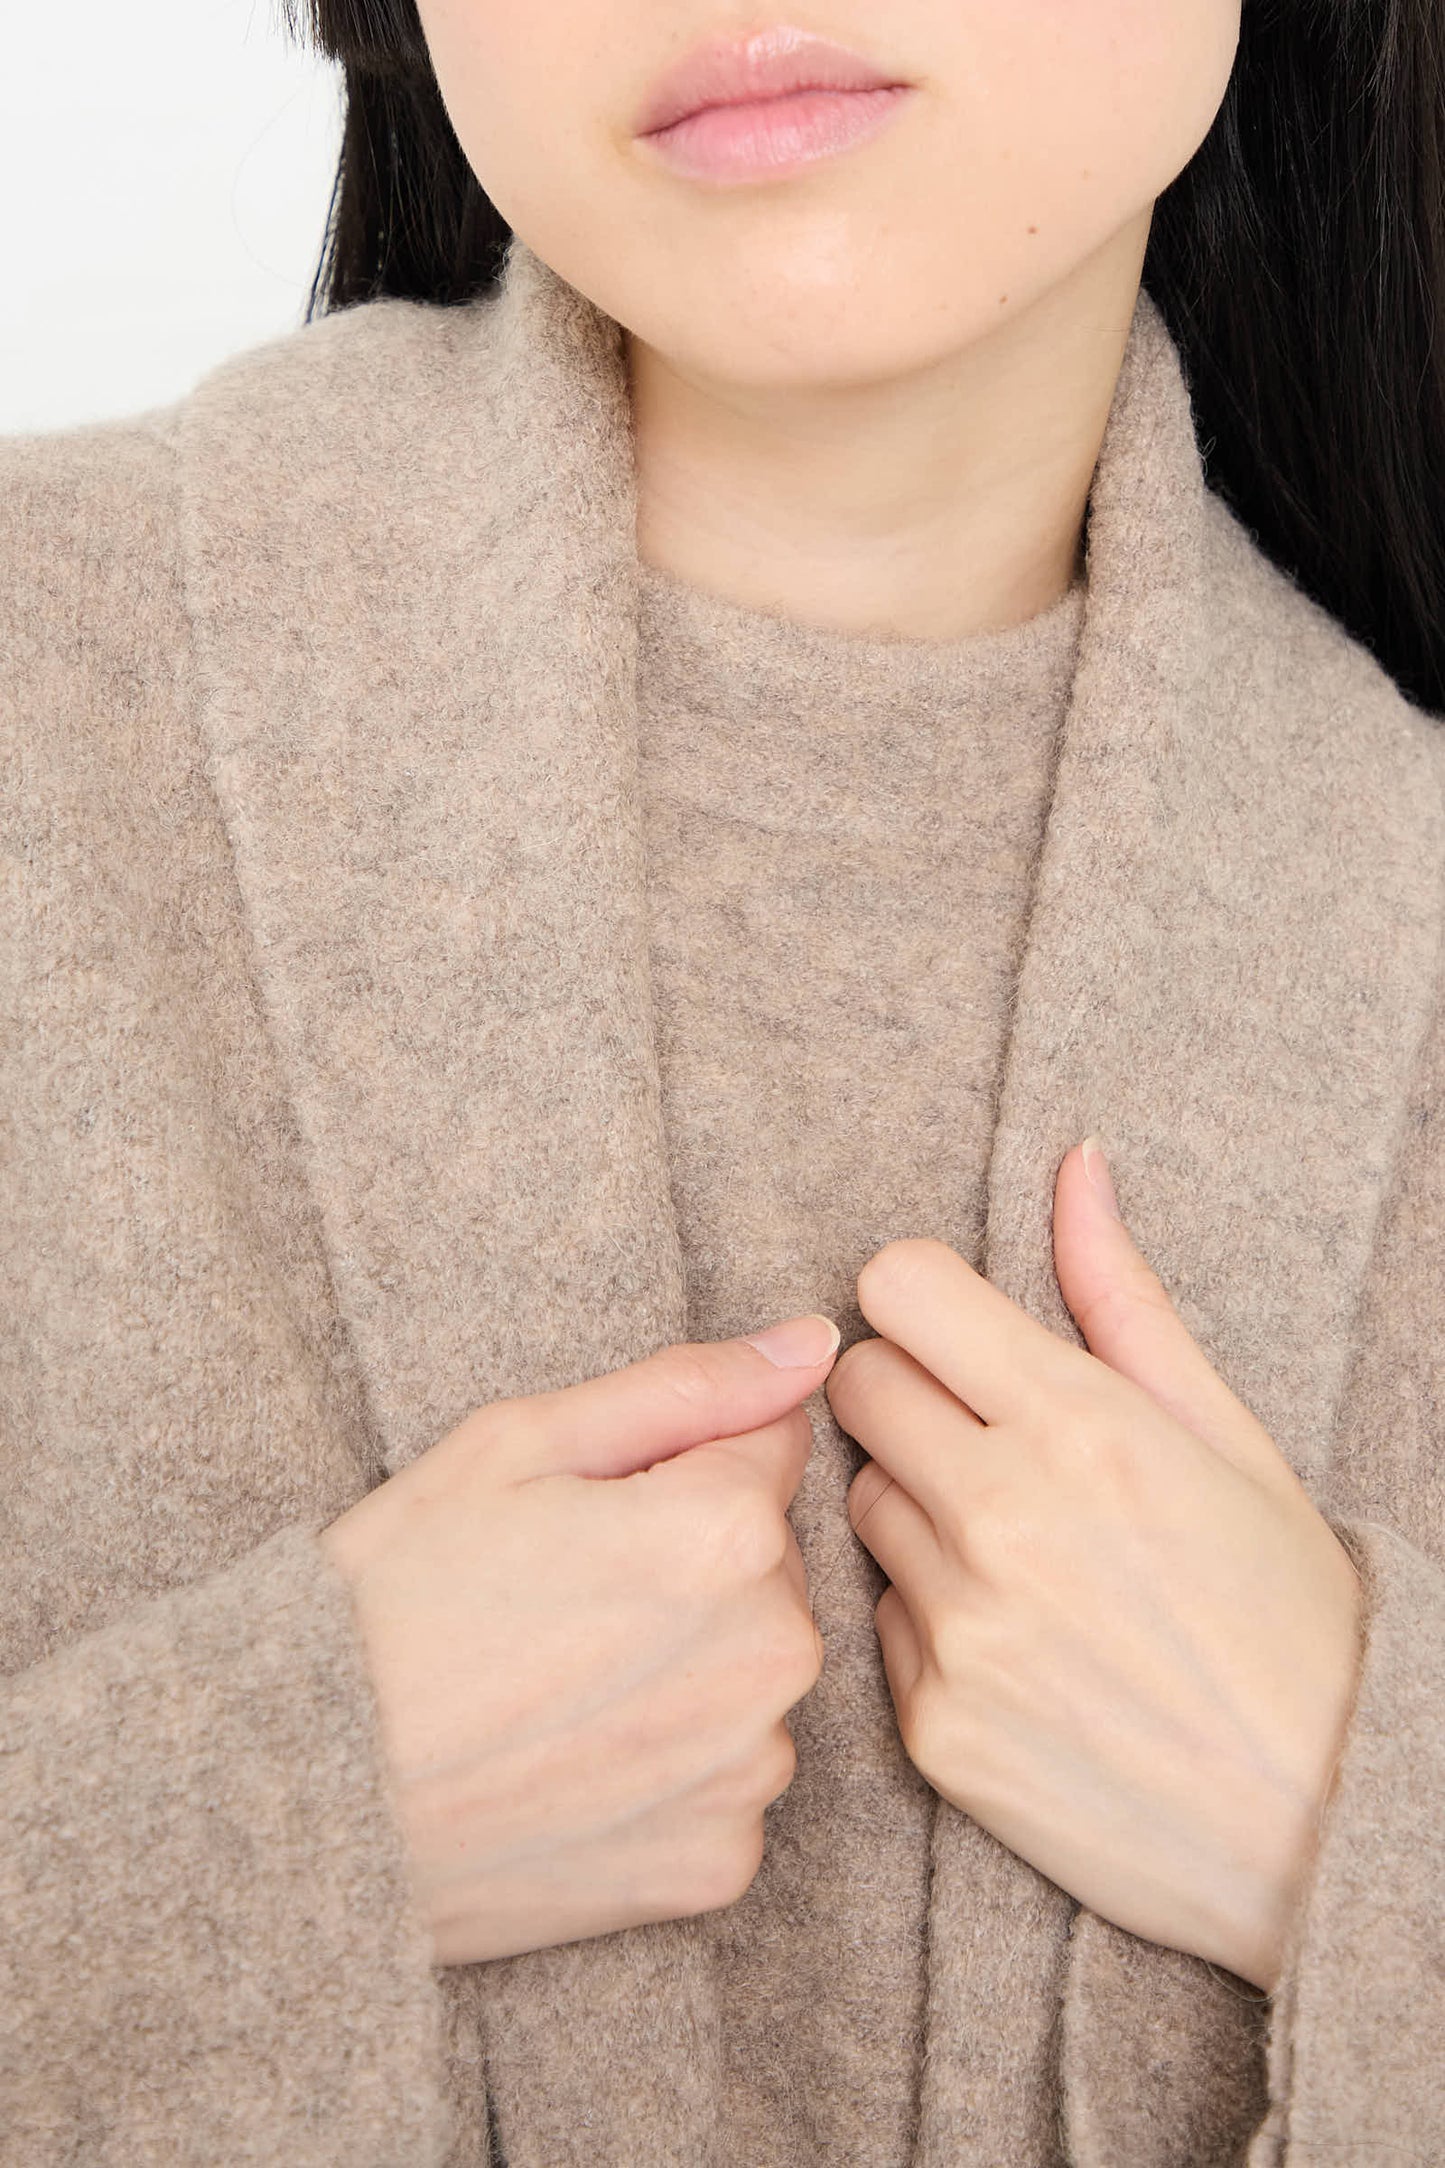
(1036, 133)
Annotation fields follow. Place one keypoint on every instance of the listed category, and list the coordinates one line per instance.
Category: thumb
(684, 1395)
(1129, 1320)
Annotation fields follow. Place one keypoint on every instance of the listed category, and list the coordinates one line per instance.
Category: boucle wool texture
(337, 1092)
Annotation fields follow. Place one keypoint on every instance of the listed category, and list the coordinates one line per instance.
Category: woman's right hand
(585, 1614)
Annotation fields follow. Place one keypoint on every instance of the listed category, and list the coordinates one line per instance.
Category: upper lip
(727, 71)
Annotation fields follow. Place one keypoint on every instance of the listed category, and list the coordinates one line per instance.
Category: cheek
(1090, 108)
(523, 88)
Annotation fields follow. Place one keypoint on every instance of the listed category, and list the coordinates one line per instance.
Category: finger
(898, 1533)
(685, 1395)
(1130, 1322)
(981, 1345)
(911, 1425)
(899, 1642)
(777, 1455)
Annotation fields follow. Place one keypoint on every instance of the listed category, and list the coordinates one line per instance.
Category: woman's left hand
(1119, 1633)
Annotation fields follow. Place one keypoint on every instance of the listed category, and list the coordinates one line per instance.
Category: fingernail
(1096, 1167)
(800, 1343)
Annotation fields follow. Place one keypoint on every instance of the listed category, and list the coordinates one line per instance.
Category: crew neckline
(748, 715)
(708, 610)
(700, 648)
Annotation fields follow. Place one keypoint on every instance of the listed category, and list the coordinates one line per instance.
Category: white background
(165, 172)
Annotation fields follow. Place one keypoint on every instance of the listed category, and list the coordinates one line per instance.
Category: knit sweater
(824, 816)
(340, 1100)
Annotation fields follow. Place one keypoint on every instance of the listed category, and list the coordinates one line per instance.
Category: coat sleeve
(210, 1947)
(1356, 2026)
(1357, 2033)
(210, 1952)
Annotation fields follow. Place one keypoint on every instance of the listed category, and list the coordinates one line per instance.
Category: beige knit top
(841, 835)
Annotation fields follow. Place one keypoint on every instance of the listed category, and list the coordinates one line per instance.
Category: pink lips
(729, 110)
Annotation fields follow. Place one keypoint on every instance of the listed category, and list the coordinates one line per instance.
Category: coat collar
(409, 538)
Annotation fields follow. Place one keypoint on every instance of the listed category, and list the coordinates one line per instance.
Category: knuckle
(1120, 1301)
(819, 1654)
(1096, 1443)
(502, 1435)
(778, 1765)
(689, 1375)
(782, 1660)
(897, 1264)
(799, 1655)
(922, 1720)
(994, 1540)
(949, 1640)
(860, 1363)
(747, 1533)
(917, 1728)
(794, 1429)
(731, 1869)
(498, 1420)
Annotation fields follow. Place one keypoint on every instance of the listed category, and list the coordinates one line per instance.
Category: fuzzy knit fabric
(840, 837)
(339, 1099)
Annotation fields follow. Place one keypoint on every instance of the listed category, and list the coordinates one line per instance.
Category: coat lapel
(410, 549)
(409, 563)
(1229, 964)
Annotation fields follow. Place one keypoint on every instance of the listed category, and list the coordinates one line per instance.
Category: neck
(936, 504)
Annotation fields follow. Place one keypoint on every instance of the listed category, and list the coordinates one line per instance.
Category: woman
(658, 767)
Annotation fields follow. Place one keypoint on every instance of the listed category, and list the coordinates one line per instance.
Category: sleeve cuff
(212, 1951)
(1356, 2045)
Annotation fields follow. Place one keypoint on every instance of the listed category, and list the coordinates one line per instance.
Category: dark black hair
(1298, 260)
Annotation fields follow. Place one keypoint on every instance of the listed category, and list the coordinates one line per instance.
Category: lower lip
(773, 136)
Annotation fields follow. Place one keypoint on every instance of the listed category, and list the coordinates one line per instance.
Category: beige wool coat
(331, 1112)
